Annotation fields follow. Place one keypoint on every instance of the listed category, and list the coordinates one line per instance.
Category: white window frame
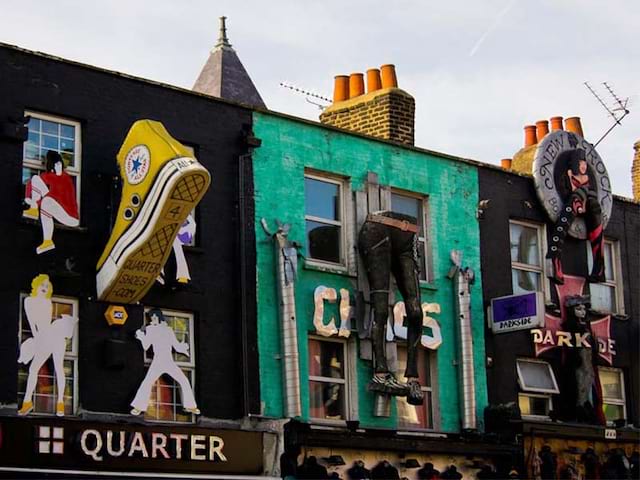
(75, 170)
(542, 249)
(526, 388)
(433, 376)
(616, 401)
(616, 283)
(534, 392)
(188, 367)
(547, 397)
(424, 236)
(343, 189)
(68, 356)
(346, 381)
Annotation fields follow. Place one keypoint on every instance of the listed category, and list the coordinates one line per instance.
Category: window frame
(534, 392)
(346, 381)
(524, 388)
(425, 235)
(75, 170)
(615, 401)
(342, 183)
(432, 356)
(188, 368)
(616, 283)
(545, 396)
(68, 356)
(542, 249)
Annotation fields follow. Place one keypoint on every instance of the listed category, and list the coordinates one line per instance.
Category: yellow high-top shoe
(162, 184)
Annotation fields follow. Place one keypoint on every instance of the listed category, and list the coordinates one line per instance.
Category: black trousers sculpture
(388, 244)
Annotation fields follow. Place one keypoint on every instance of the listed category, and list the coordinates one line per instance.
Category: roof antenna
(619, 106)
(308, 95)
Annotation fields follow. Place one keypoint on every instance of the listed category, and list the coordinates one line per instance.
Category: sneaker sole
(137, 258)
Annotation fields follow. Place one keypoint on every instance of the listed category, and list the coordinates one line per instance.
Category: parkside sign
(516, 312)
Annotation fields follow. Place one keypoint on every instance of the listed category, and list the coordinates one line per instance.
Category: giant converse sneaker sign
(162, 184)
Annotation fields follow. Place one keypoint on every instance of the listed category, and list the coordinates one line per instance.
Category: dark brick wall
(514, 197)
(106, 105)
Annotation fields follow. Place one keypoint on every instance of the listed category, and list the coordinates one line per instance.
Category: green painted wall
(288, 147)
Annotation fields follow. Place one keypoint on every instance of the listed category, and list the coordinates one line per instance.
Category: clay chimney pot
(374, 81)
(356, 85)
(389, 79)
(573, 124)
(530, 135)
(340, 88)
(506, 163)
(542, 128)
(556, 123)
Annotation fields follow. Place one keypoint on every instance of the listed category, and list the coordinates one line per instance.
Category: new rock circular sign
(551, 174)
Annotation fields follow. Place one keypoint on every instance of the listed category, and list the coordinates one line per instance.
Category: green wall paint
(288, 147)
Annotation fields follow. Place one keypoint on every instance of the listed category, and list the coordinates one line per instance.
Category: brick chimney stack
(385, 111)
(635, 172)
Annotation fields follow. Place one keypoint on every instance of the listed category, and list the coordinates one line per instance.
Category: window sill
(326, 267)
(58, 226)
(323, 423)
(536, 418)
(428, 285)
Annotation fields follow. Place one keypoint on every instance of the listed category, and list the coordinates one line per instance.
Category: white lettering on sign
(152, 445)
(398, 330)
(159, 444)
(519, 322)
(216, 444)
(93, 453)
(323, 293)
(198, 443)
(178, 437)
(137, 445)
(572, 340)
(110, 449)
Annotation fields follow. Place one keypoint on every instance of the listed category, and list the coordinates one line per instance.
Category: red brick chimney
(385, 111)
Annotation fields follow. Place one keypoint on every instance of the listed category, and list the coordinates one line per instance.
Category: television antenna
(308, 95)
(618, 111)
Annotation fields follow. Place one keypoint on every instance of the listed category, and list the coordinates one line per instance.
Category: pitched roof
(224, 76)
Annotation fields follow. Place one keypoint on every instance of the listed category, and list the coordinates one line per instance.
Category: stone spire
(224, 76)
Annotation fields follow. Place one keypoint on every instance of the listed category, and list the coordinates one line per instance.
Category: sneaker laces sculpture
(162, 184)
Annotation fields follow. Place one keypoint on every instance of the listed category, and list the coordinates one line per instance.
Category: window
(327, 379)
(526, 244)
(612, 381)
(46, 391)
(537, 384)
(165, 403)
(417, 416)
(60, 135)
(415, 207)
(324, 214)
(607, 296)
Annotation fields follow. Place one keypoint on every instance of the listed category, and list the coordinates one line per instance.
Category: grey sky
(479, 70)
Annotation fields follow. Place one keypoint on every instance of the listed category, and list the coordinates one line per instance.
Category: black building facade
(531, 377)
(85, 113)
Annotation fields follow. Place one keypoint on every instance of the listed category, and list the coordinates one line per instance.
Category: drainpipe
(463, 277)
(287, 258)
